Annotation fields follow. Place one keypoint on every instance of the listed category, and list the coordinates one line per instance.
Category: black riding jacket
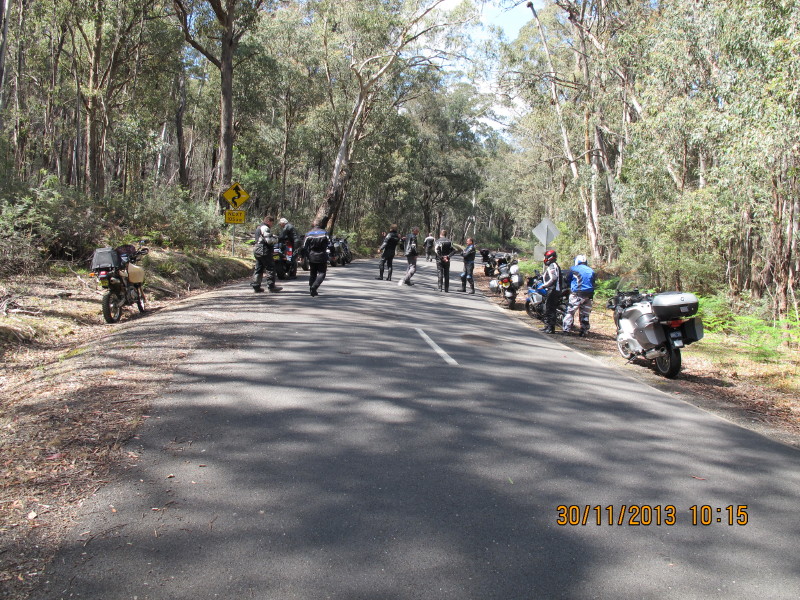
(389, 245)
(316, 245)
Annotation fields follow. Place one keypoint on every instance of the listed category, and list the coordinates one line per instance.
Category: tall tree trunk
(183, 174)
(5, 5)
(226, 107)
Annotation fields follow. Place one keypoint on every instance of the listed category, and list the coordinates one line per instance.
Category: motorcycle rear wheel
(511, 302)
(669, 365)
(304, 264)
(280, 271)
(112, 307)
(624, 350)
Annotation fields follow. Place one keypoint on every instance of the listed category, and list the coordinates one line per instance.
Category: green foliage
(716, 312)
(766, 341)
(605, 288)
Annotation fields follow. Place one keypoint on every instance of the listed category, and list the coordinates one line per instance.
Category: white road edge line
(445, 356)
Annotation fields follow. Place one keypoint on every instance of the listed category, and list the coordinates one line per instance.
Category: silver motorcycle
(656, 327)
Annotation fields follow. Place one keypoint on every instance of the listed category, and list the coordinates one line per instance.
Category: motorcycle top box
(105, 258)
(675, 305)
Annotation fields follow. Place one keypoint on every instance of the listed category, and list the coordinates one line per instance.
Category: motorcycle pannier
(675, 305)
(105, 258)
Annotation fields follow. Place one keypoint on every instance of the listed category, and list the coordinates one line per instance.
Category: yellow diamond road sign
(234, 216)
(235, 195)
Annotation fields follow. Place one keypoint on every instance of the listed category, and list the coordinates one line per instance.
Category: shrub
(716, 312)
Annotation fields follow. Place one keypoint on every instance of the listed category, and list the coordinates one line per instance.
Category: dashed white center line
(445, 356)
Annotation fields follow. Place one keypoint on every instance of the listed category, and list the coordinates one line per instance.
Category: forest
(662, 136)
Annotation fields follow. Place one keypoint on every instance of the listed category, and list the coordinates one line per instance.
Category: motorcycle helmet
(580, 260)
(550, 257)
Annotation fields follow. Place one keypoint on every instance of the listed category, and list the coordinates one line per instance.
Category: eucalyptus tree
(367, 44)
(215, 28)
(444, 152)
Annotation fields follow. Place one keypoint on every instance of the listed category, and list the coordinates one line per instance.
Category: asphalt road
(380, 442)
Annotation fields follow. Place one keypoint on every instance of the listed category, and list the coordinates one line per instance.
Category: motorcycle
(536, 296)
(347, 256)
(283, 257)
(120, 277)
(340, 253)
(302, 257)
(507, 280)
(656, 327)
(486, 257)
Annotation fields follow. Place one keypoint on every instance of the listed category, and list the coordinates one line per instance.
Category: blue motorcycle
(536, 296)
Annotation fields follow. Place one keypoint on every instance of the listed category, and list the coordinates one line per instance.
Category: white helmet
(283, 221)
(580, 260)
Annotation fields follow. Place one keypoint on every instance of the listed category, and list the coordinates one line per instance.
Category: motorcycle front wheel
(622, 346)
(669, 365)
(530, 310)
(112, 307)
(140, 299)
(304, 264)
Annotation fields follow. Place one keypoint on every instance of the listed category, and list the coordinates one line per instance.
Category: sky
(509, 20)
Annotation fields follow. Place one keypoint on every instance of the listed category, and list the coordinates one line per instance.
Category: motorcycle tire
(293, 271)
(623, 349)
(304, 264)
(511, 303)
(140, 299)
(670, 364)
(112, 307)
(280, 271)
(531, 311)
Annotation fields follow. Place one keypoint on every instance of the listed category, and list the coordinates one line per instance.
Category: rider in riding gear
(444, 251)
(581, 277)
(411, 256)
(387, 251)
(551, 281)
(428, 243)
(262, 251)
(468, 254)
(288, 237)
(316, 248)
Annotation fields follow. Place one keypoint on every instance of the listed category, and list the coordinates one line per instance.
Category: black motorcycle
(116, 272)
(340, 252)
(346, 257)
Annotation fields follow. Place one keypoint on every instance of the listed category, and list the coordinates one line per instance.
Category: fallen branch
(166, 291)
